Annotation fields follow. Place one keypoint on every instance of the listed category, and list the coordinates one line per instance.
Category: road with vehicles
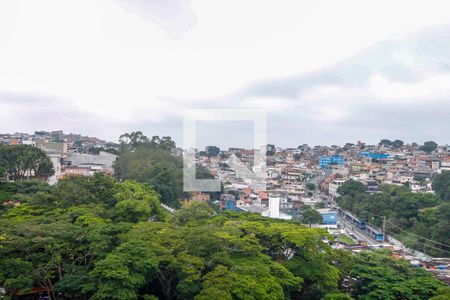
(356, 233)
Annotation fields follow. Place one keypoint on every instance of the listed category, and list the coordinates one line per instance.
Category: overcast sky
(327, 72)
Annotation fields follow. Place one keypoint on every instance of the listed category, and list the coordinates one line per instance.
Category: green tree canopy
(156, 167)
(397, 143)
(136, 202)
(212, 151)
(351, 188)
(24, 162)
(441, 185)
(159, 168)
(311, 186)
(379, 276)
(410, 216)
(310, 216)
(195, 211)
(133, 140)
(97, 238)
(429, 146)
(385, 142)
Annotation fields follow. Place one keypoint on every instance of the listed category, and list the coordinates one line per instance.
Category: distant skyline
(203, 144)
(327, 72)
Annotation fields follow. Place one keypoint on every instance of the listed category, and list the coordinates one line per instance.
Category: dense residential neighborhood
(312, 176)
(224, 150)
(359, 197)
(70, 154)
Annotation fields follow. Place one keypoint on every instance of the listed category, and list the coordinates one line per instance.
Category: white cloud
(137, 62)
(435, 86)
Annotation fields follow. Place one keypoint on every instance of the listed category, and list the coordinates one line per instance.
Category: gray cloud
(26, 112)
(304, 114)
(428, 49)
(316, 119)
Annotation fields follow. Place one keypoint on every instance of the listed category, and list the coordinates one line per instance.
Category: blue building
(376, 155)
(325, 161)
(227, 202)
(329, 218)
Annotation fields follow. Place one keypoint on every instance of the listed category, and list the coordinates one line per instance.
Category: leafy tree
(217, 284)
(351, 188)
(57, 241)
(7, 189)
(442, 294)
(121, 273)
(41, 132)
(195, 211)
(441, 185)
(24, 161)
(270, 150)
(408, 214)
(379, 276)
(95, 238)
(131, 141)
(136, 202)
(337, 296)
(156, 167)
(97, 150)
(310, 216)
(2, 173)
(311, 186)
(320, 205)
(159, 168)
(165, 143)
(429, 146)
(420, 179)
(397, 143)
(385, 142)
(79, 190)
(212, 151)
(230, 261)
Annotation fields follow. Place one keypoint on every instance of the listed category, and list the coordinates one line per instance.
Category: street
(361, 235)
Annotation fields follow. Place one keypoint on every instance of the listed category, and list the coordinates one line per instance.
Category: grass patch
(345, 239)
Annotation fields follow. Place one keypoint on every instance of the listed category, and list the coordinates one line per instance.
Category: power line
(438, 243)
(367, 212)
(398, 227)
(429, 246)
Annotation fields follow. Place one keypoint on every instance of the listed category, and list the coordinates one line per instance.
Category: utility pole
(384, 228)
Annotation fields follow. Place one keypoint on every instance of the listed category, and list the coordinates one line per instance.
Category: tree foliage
(310, 216)
(351, 188)
(441, 185)
(397, 143)
(212, 151)
(429, 146)
(311, 186)
(95, 238)
(21, 162)
(410, 215)
(133, 140)
(152, 162)
(385, 142)
(379, 276)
